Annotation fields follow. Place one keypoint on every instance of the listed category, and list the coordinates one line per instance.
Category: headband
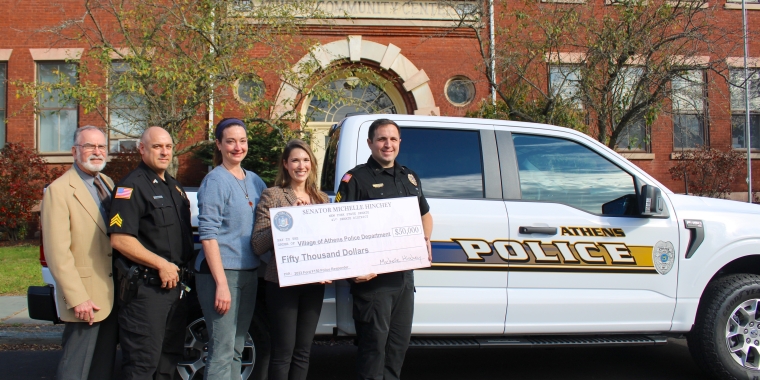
(224, 123)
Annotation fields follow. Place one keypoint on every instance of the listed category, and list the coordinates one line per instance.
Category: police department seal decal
(663, 256)
(283, 221)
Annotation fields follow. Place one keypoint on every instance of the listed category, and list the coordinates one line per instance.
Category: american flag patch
(346, 178)
(123, 193)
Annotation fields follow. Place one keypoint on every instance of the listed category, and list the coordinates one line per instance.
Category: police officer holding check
(383, 304)
(150, 227)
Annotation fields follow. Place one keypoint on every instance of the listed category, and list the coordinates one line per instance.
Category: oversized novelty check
(343, 240)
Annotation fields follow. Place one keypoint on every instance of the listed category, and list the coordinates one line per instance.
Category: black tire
(717, 346)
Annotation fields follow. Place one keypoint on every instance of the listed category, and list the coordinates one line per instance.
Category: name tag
(158, 197)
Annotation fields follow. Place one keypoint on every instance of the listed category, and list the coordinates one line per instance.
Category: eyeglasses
(91, 147)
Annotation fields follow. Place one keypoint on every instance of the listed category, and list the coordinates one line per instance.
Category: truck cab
(545, 237)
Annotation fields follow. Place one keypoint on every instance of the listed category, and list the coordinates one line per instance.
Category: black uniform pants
(383, 320)
(293, 313)
(152, 333)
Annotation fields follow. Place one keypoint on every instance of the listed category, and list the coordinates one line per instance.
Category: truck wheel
(725, 339)
(196, 351)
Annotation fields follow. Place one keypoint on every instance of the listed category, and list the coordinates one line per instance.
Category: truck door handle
(538, 230)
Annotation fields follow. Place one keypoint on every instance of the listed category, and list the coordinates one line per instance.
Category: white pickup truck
(545, 237)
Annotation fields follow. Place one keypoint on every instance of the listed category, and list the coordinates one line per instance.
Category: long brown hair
(283, 177)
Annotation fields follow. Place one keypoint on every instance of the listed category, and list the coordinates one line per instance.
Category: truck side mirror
(650, 201)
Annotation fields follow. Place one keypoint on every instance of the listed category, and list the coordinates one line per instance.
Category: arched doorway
(387, 60)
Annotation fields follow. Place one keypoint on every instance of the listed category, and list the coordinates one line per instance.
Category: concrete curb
(17, 328)
(23, 335)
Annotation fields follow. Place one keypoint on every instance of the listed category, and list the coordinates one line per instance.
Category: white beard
(93, 167)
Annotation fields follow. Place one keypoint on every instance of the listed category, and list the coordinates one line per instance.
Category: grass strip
(19, 269)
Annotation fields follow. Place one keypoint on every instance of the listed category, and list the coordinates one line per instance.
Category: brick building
(432, 68)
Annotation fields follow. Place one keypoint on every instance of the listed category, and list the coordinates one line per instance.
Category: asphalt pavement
(335, 362)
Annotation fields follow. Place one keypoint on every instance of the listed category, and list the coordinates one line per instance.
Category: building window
(3, 90)
(634, 136)
(354, 97)
(249, 89)
(688, 110)
(459, 91)
(58, 114)
(564, 83)
(738, 115)
(127, 113)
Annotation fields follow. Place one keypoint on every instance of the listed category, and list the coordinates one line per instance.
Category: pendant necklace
(245, 191)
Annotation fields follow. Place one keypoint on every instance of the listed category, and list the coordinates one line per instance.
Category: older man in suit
(78, 253)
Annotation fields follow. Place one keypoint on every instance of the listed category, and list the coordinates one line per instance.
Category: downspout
(211, 98)
(492, 48)
(747, 128)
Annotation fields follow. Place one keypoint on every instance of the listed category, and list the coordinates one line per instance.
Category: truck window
(562, 171)
(447, 161)
(328, 164)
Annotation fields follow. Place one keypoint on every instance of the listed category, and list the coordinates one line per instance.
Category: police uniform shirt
(155, 211)
(372, 181)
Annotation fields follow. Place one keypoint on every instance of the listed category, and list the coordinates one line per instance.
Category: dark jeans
(152, 333)
(383, 320)
(293, 313)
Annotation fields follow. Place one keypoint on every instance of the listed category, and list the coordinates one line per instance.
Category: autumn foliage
(121, 164)
(708, 172)
(23, 175)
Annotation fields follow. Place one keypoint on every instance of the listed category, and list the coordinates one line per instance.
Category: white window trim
(564, 1)
(118, 54)
(754, 156)
(738, 62)
(636, 156)
(670, 2)
(737, 4)
(675, 3)
(694, 60)
(5, 54)
(565, 58)
(636, 60)
(58, 158)
(61, 54)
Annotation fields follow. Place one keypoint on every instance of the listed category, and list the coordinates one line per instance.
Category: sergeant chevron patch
(116, 221)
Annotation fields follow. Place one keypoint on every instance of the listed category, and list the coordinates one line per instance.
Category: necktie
(105, 197)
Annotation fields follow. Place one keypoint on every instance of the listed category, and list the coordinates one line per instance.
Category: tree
(171, 62)
(23, 175)
(708, 172)
(613, 64)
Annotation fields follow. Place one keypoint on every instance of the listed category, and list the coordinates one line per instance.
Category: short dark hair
(379, 123)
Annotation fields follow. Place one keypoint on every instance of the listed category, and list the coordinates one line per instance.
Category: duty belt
(150, 276)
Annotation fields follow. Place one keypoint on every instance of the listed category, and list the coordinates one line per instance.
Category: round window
(249, 89)
(460, 91)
